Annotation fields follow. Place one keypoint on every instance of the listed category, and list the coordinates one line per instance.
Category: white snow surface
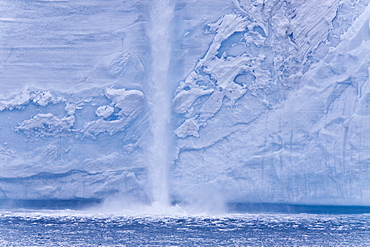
(233, 101)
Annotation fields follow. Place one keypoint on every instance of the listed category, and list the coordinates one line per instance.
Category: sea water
(76, 228)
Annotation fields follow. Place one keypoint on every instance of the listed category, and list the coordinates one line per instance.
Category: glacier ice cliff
(260, 101)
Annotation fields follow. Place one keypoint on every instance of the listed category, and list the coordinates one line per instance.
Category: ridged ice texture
(277, 108)
(73, 113)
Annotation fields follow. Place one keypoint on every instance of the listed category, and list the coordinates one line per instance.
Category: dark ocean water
(70, 228)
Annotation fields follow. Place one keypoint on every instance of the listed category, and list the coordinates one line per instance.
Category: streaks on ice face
(56, 44)
(276, 110)
(75, 183)
(214, 75)
(48, 143)
(262, 52)
(79, 126)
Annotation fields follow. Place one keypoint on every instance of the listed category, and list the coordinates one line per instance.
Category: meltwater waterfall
(160, 99)
(208, 103)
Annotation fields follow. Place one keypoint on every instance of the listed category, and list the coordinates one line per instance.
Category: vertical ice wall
(270, 105)
(271, 111)
(73, 113)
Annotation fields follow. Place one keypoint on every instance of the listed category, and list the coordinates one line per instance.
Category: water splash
(160, 100)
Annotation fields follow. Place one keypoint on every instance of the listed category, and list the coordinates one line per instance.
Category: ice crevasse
(270, 101)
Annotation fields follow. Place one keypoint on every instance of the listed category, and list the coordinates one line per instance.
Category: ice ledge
(75, 203)
(240, 207)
